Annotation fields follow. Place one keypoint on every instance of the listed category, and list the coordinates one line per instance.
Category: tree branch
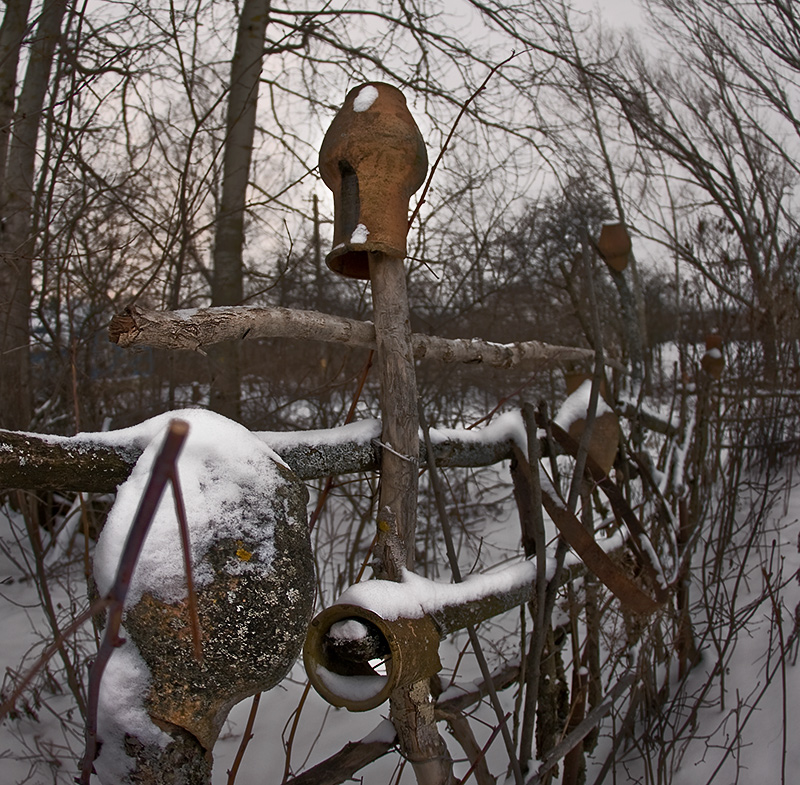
(195, 329)
(100, 462)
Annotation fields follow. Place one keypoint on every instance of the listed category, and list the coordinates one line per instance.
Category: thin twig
(46, 599)
(295, 722)
(438, 160)
(776, 609)
(162, 473)
(484, 750)
(246, 738)
(186, 547)
(591, 721)
(473, 635)
(98, 606)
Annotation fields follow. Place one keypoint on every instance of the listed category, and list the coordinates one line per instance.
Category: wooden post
(400, 436)
(411, 706)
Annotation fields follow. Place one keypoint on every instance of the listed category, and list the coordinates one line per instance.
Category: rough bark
(228, 287)
(196, 329)
(400, 434)
(411, 705)
(12, 32)
(16, 200)
(88, 463)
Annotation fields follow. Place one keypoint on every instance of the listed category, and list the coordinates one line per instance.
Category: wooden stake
(411, 706)
(400, 436)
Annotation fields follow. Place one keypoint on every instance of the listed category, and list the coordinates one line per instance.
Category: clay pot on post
(614, 245)
(713, 361)
(604, 441)
(373, 158)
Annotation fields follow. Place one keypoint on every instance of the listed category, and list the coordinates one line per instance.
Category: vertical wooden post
(411, 706)
(373, 158)
(400, 437)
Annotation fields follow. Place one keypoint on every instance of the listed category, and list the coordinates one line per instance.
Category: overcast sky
(618, 13)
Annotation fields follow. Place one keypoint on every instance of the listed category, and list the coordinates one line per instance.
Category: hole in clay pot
(350, 200)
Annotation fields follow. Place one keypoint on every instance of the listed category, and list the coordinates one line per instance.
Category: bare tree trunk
(12, 31)
(16, 243)
(228, 286)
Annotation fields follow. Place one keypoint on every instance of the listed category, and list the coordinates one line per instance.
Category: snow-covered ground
(723, 731)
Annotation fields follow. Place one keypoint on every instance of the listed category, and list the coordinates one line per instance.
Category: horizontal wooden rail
(195, 329)
(99, 462)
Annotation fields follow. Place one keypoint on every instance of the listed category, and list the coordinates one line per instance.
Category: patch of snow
(415, 596)
(365, 98)
(507, 426)
(354, 688)
(348, 630)
(361, 432)
(359, 236)
(384, 733)
(228, 480)
(121, 711)
(576, 405)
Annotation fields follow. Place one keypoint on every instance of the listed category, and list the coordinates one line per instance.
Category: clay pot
(410, 648)
(373, 159)
(574, 379)
(253, 622)
(604, 441)
(713, 341)
(713, 361)
(614, 245)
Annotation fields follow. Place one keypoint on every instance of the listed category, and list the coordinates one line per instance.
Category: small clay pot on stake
(604, 441)
(614, 245)
(373, 159)
(713, 361)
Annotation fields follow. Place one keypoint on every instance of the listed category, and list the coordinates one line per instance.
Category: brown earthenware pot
(373, 158)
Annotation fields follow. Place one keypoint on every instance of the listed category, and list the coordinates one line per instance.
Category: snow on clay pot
(254, 576)
(604, 441)
(407, 647)
(373, 159)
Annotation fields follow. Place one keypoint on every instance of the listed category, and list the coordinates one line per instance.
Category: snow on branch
(197, 328)
(99, 462)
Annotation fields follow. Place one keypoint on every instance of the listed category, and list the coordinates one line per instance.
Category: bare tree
(228, 283)
(702, 116)
(16, 204)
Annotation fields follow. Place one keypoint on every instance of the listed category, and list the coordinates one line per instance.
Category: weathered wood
(343, 765)
(195, 329)
(411, 705)
(400, 434)
(88, 462)
(29, 461)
